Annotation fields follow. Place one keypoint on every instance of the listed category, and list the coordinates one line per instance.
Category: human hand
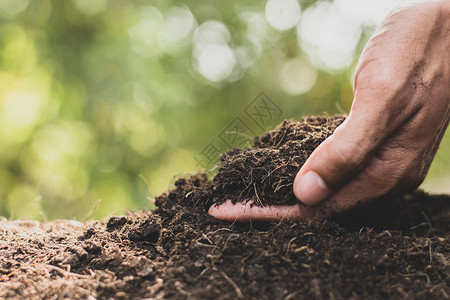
(400, 112)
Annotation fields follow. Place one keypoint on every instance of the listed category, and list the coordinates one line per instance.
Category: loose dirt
(395, 247)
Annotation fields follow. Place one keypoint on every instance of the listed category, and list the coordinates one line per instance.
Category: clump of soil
(395, 247)
(265, 173)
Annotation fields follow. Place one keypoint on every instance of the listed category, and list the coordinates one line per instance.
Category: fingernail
(311, 189)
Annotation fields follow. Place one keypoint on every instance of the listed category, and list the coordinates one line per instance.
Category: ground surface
(395, 247)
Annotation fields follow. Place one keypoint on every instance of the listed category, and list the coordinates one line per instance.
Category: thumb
(338, 159)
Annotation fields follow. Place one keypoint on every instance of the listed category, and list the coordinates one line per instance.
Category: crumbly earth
(395, 247)
(265, 172)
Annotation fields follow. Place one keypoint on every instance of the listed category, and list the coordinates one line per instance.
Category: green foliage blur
(96, 96)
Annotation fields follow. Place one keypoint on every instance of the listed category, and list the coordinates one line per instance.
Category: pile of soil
(396, 247)
(265, 173)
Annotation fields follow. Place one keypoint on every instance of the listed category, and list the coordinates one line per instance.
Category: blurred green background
(96, 95)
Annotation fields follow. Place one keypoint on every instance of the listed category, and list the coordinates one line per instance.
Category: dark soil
(265, 172)
(396, 247)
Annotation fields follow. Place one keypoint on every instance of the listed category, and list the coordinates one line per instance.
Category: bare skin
(400, 112)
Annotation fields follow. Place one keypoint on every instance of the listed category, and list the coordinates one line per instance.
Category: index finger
(240, 212)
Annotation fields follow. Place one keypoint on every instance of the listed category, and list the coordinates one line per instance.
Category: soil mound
(396, 247)
(266, 171)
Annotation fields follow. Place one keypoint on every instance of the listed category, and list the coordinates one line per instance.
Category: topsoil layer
(396, 247)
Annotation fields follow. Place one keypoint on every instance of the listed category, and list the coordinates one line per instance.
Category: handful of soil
(266, 171)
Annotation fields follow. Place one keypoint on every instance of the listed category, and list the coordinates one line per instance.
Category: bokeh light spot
(367, 12)
(216, 62)
(13, 6)
(329, 38)
(179, 23)
(208, 33)
(283, 14)
(257, 27)
(298, 77)
(144, 33)
(21, 109)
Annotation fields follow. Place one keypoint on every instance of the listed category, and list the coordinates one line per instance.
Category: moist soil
(394, 247)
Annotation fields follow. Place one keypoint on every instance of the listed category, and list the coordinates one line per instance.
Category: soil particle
(395, 247)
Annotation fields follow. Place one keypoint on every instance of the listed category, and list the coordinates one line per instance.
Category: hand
(400, 112)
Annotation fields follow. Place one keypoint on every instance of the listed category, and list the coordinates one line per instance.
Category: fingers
(239, 212)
